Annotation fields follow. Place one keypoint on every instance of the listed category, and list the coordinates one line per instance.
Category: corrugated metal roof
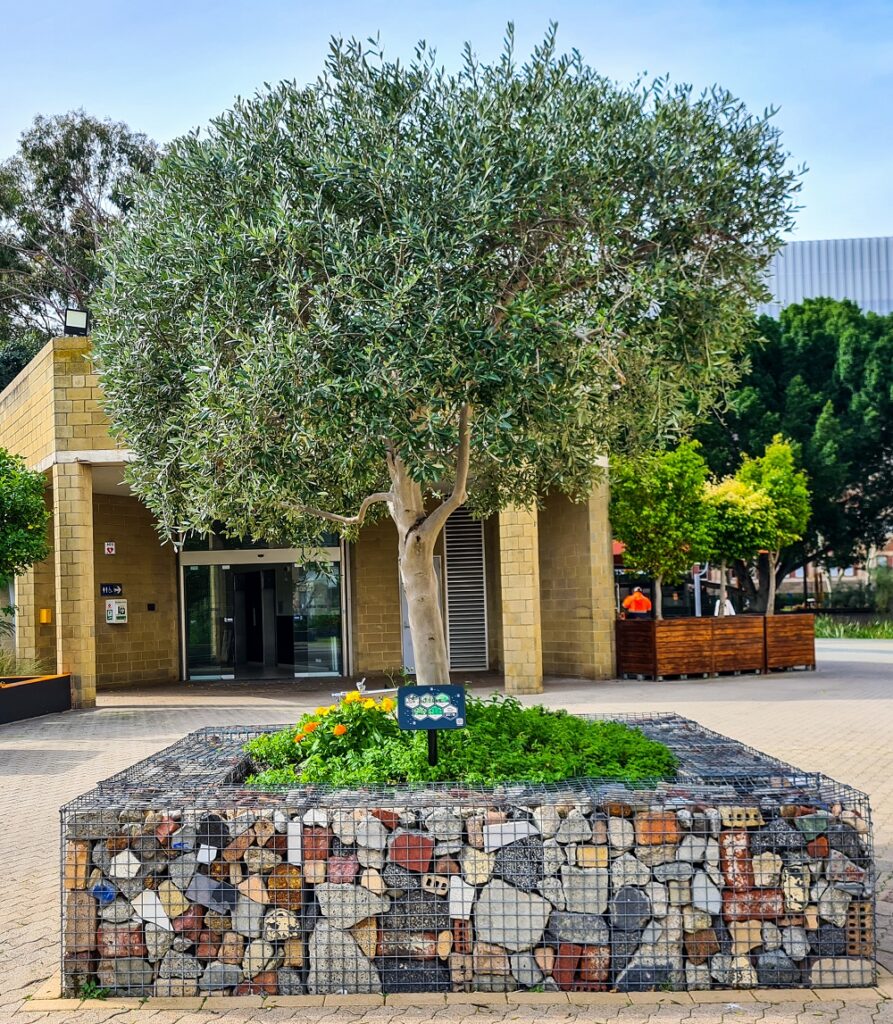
(860, 269)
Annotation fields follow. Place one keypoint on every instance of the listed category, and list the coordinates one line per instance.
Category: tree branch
(356, 520)
(433, 523)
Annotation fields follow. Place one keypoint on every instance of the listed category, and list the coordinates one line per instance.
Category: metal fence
(740, 872)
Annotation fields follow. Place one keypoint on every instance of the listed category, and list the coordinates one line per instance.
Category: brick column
(520, 585)
(75, 589)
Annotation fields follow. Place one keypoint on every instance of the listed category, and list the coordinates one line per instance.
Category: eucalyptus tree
(396, 290)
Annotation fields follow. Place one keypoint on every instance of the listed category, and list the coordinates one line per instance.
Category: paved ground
(838, 719)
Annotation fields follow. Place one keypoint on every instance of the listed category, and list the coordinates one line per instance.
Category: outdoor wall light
(46, 616)
(76, 321)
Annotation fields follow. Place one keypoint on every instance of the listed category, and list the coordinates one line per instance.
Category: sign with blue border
(431, 707)
(111, 589)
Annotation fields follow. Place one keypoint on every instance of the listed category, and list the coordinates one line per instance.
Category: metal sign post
(431, 708)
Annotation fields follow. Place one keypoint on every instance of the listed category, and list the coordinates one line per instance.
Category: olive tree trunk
(771, 584)
(722, 587)
(658, 604)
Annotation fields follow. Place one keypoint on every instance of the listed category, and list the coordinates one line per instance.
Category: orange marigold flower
(299, 736)
(311, 726)
(339, 729)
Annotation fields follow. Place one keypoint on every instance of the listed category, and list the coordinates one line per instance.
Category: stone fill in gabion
(760, 880)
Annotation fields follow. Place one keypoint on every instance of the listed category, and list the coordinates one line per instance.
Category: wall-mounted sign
(109, 547)
(115, 612)
(111, 589)
(431, 707)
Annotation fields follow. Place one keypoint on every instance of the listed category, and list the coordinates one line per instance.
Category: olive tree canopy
(401, 289)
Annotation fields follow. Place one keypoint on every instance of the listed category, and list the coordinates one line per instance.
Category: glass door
(208, 596)
(317, 629)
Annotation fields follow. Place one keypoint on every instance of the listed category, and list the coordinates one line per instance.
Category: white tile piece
(497, 836)
(148, 907)
(206, 854)
(295, 853)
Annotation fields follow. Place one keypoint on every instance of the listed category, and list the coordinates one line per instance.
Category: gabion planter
(742, 872)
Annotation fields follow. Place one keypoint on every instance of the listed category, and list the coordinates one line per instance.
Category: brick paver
(838, 720)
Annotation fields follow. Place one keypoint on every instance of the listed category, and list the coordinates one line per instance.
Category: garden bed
(658, 649)
(31, 696)
(741, 871)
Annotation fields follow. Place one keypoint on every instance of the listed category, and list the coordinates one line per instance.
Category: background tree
(398, 290)
(741, 520)
(71, 177)
(775, 474)
(23, 517)
(823, 377)
(659, 513)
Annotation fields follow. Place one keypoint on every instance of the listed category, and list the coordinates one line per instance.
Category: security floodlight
(76, 322)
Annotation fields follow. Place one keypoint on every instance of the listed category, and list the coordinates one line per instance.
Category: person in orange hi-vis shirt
(637, 605)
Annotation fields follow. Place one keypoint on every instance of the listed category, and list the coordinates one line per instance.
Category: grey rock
(248, 918)
(444, 825)
(417, 911)
(125, 975)
(575, 828)
(182, 869)
(291, 982)
(370, 858)
(585, 889)
(659, 896)
(692, 849)
(525, 970)
(158, 940)
(777, 836)
(828, 940)
(509, 917)
(580, 929)
(832, 902)
(345, 905)
(117, 912)
(406, 975)
(627, 870)
(447, 847)
(621, 834)
(795, 943)
(400, 879)
(337, 964)
(260, 955)
(697, 977)
(281, 924)
(552, 890)
(553, 856)
(175, 988)
(218, 975)
(845, 840)
(370, 833)
(641, 978)
(630, 909)
(179, 965)
(705, 895)
(521, 863)
(652, 933)
(675, 871)
(547, 820)
(494, 983)
(771, 937)
(776, 969)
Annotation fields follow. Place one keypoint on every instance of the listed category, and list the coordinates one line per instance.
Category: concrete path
(838, 720)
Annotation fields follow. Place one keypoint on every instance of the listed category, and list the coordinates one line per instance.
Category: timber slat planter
(790, 641)
(657, 649)
(31, 696)
(739, 872)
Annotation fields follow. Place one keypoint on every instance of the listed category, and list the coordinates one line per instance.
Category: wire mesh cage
(742, 871)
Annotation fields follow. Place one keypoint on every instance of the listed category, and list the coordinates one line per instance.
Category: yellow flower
(352, 697)
(369, 703)
(322, 712)
(387, 704)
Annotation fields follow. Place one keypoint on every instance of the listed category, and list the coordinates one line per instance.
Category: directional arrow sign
(111, 589)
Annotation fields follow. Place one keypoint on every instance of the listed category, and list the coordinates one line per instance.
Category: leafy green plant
(827, 628)
(90, 989)
(358, 742)
(10, 665)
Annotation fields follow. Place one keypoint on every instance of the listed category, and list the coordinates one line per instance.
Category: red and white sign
(109, 547)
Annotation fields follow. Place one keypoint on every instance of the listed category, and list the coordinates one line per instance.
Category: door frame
(261, 557)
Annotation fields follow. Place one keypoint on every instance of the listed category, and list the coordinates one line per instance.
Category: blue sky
(165, 67)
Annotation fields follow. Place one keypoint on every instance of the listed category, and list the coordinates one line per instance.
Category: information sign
(111, 589)
(431, 707)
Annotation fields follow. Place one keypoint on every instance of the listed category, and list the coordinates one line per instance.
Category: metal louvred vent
(466, 592)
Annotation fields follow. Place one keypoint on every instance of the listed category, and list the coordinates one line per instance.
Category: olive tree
(396, 290)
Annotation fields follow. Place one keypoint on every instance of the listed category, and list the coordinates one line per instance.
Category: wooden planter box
(31, 696)
(709, 645)
(790, 641)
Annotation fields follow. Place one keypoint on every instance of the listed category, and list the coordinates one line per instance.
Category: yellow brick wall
(519, 575)
(375, 600)
(576, 587)
(144, 650)
(494, 593)
(26, 410)
(80, 422)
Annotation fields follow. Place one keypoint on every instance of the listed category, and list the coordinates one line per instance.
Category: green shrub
(828, 628)
(358, 742)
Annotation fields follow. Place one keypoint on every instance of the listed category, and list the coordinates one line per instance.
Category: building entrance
(242, 621)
